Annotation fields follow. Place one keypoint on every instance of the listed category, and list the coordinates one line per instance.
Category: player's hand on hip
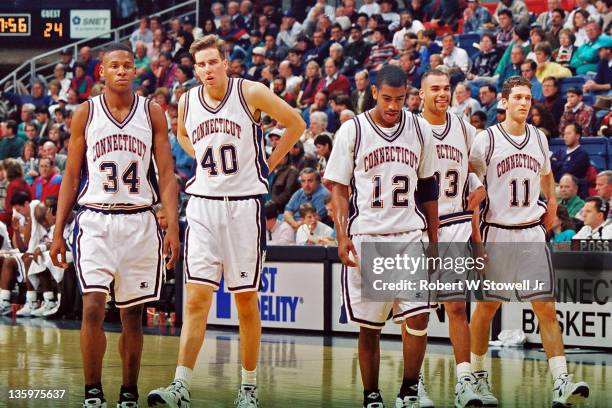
(476, 197)
(58, 253)
(171, 246)
(345, 249)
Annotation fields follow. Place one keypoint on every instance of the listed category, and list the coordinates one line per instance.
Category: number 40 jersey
(118, 167)
(382, 167)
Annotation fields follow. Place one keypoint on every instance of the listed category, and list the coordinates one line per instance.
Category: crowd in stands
(322, 59)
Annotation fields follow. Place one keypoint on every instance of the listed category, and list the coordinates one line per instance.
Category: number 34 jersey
(228, 144)
(381, 166)
(118, 168)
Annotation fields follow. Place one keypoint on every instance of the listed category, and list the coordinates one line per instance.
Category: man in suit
(361, 98)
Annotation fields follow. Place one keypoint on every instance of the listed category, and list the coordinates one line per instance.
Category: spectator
(188, 25)
(279, 87)
(543, 120)
(295, 60)
(14, 175)
(37, 97)
(568, 190)
(518, 8)
(563, 228)
(478, 119)
(28, 162)
(334, 82)
(369, 7)
(553, 32)
(59, 73)
(81, 83)
(548, 68)
(319, 105)
(166, 71)
(597, 225)
(454, 57)
(391, 18)
(277, 232)
(486, 60)
(553, 100)
(142, 33)
(3, 186)
(10, 145)
(435, 61)
(382, 51)
(586, 56)
(575, 160)
(43, 120)
(26, 116)
(475, 17)
(67, 61)
(520, 37)
(49, 149)
(581, 17)
(312, 191)
(49, 181)
(254, 72)
(604, 8)
(505, 29)
(528, 70)
(184, 165)
(183, 42)
(426, 40)
(576, 111)
(445, 16)
(345, 115)
(517, 58)
(603, 185)
(318, 124)
(320, 51)
(463, 104)
(312, 231)
(361, 98)
(408, 26)
(91, 64)
(488, 99)
(565, 51)
(31, 132)
(323, 145)
(545, 19)
(414, 101)
(584, 6)
(283, 182)
(312, 82)
(602, 82)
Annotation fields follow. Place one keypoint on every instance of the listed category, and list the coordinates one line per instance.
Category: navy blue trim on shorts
(229, 198)
(515, 227)
(188, 276)
(115, 209)
(347, 302)
(455, 218)
(78, 233)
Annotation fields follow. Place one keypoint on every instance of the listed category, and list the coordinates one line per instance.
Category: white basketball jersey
(383, 166)
(118, 167)
(452, 146)
(514, 166)
(228, 145)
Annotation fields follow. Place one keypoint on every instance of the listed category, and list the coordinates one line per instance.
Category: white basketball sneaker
(45, 306)
(26, 310)
(465, 396)
(247, 397)
(566, 393)
(127, 404)
(176, 395)
(94, 403)
(5, 308)
(483, 389)
(424, 400)
(407, 402)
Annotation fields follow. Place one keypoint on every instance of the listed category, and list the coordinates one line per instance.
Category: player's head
(20, 201)
(595, 211)
(390, 93)
(210, 60)
(435, 91)
(516, 98)
(118, 68)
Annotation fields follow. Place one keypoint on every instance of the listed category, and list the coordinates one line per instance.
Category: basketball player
(383, 154)
(219, 125)
(453, 138)
(110, 174)
(514, 159)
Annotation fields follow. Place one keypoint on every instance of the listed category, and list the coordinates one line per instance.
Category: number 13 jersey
(381, 166)
(228, 144)
(118, 168)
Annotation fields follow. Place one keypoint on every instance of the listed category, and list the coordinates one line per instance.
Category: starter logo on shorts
(243, 274)
(144, 285)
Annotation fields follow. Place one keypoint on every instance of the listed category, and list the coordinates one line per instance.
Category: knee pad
(416, 332)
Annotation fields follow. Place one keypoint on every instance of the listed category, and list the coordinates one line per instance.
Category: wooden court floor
(295, 370)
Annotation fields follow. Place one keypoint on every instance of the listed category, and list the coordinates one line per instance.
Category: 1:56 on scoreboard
(15, 24)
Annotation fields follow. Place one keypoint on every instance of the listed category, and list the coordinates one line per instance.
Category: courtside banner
(290, 296)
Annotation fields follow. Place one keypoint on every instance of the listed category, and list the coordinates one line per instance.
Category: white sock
(249, 377)
(31, 296)
(48, 296)
(5, 295)
(185, 374)
(477, 362)
(464, 370)
(558, 366)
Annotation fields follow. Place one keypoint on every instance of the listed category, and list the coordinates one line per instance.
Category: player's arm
(263, 99)
(70, 182)
(183, 137)
(167, 181)
(547, 185)
(427, 191)
(340, 199)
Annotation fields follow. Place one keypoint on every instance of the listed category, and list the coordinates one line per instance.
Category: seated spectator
(597, 224)
(37, 96)
(553, 100)
(298, 158)
(543, 120)
(10, 145)
(142, 33)
(486, 60)
(579, 22)
(357, 49)
(454, 57)
(475, 17)
(81, 83)
(463, 104)
(574, 160)
(319, 105)
(16, 183)
(576, 111)
(257, 64)
(279, 87)
(26, 115)
(564, 53)
(320, 49)
(517, 58)
(48, 183)
(49, 149)
(603, 185)
(390, 17)
(520, 37)
(604, 8)
(563, 228)
(426, 41)
(334, 82)
(555, 28)
(602, 83)
(369, 7)
(520, 13)
(283, 182)
(310, 85)
(414, 102)
(409, 26)
(292, 82)
(3, 185)
(545, 19)
(436, 61)
(536, 36)
(277, 232)
(345, 115)
(28, 162)
(312, 231)
(528, 70)
(548, 68)
(568, 190)
(586, 57)
(505, 29)
(318, 124)
(445, 17)
(488, 99)
(382, 50)
(183, 163)
(323, 145)
(311, 192)
(43, 120)
(166, 71)
(478, 119)
(295, 60)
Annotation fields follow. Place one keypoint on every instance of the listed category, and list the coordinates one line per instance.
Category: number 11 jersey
(118, 167)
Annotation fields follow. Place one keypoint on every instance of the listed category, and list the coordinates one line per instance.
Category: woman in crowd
(543, 119)
(581, 18)
(29, 162)
(563, 228)
(310, 85)
(563, 54)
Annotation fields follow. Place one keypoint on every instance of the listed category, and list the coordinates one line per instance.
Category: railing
(41, 66)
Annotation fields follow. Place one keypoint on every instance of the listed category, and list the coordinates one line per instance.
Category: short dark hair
(490, 37)
(307, 208)
(560, 11)
(20, 198)
(186, 70)
(506, 12)
(522, 32)
(270, 210)
(577, 128)
(513, 82)
(544, 47)
(167, 55)
(601, 205)
(481, 115)
(575, 91)
(532, 64)
(554, 80)
(431, 34)
(489, 87)
(11, 124)
(324, 140)
(434, 72)
(391, 75)
(118, 47)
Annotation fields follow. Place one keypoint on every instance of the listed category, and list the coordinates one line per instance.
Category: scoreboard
(53, 22)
